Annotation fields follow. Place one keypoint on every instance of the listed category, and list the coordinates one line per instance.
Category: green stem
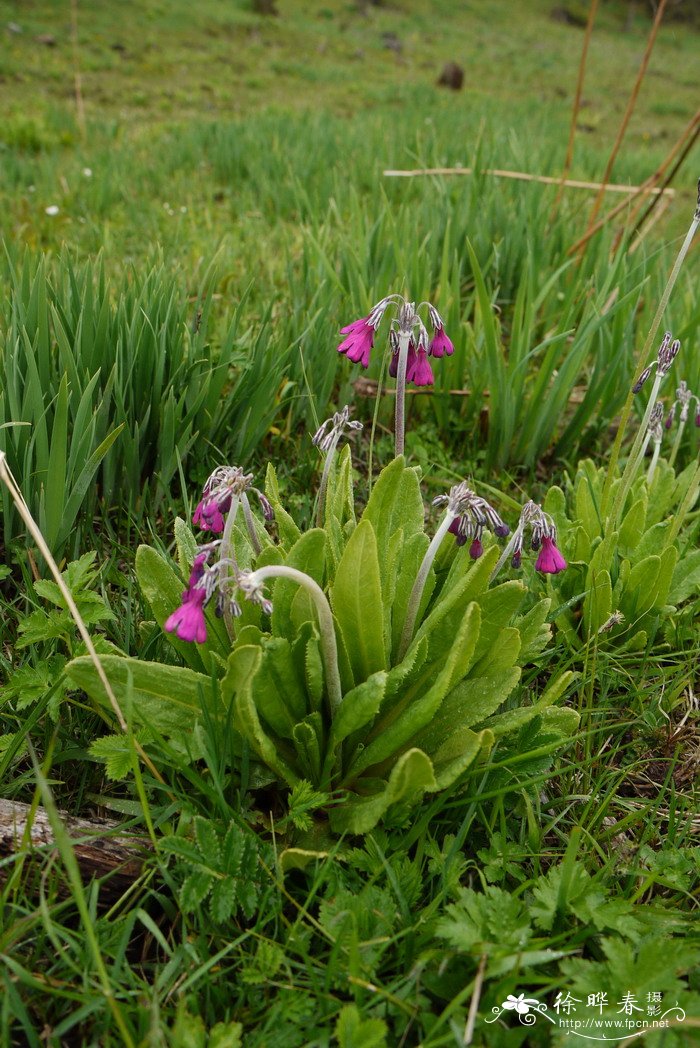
(677, 442)
(504, 556)
(400, 407)
(654, 460)
(329, 647)
(635, 457)
(375, 417)
(250, 525)
(419, 585)
(624, 418)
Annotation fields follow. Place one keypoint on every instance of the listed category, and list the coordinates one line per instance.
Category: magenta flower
(410, 362)
(550, 560)
(441, 344)
(454, 529)
(419, 371)
(358, 345)
(209, 514)
(187, 621)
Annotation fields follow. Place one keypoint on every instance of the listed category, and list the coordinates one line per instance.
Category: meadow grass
(228, 176)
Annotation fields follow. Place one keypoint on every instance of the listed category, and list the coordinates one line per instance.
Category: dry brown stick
(632, 101)
(692, 132)
(577, 103)
(98, 851)
(645, 187)
(79, 106)
(642, 230)
(523, 176)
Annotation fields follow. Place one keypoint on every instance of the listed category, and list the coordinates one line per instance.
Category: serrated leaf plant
(359, 657)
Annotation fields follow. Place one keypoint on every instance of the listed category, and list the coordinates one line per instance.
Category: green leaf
(195, 889)
(686, 578)
(292, 607)
(597, 605)
(352, 1031)
(633, 524)
(186, 546)
(420, 702)
(166, 698)
(117, 753)
(535, 632)
(503, 723)
(307, 740)
(207, 841)
(457, 753)
(280, 695)
(358, 708)
(410, 777)
(243, 665)
(356, 598)
(288, 531)
(222, 904)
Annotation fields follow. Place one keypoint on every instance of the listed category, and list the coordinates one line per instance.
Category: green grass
(235, 166)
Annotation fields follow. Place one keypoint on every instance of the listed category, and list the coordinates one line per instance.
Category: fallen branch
(99, 851)
(524, 176)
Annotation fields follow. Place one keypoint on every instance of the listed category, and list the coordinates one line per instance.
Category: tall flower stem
(228, 554)
(636, 455)
(400, 407)
(329, 647)
(419, 585)
(677, 442)
(654, 460)
(323, 487)
(250, 524)
(615, 453)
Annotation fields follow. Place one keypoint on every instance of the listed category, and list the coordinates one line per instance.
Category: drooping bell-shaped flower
(419, 371)
(550, 560)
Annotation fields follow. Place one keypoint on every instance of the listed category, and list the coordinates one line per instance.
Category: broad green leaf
(308, 738)
(503, 723)
(358, 708)
(290, 606)
(410, 777)
(597, 605)
(186, 546)
(404, 574)
(419, 704)
(243, 665)
(166, 698)
(457, 753)
(357, 603)
(633, 524)
(280, 695)
(535, 632)
(395, 503)
(686, 578)
(441, 625)
(469, 703)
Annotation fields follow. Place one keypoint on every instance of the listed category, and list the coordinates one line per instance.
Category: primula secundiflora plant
(360, 656)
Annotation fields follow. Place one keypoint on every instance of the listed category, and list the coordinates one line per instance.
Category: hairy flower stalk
(543, 540)
(684, 397)
(410, 347)
(467, 514)
(250, 583)
(655, 432)
(655, 324)
(326, 440)
(667, 353)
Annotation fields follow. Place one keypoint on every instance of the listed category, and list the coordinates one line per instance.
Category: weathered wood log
(99, 850)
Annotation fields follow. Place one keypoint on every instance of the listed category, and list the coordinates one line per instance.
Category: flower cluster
(329, 432)
(668, 350)
(471, 514)
(543, 540)
(684, 396)
(407, 322)
(221, 579)
(225, 484)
